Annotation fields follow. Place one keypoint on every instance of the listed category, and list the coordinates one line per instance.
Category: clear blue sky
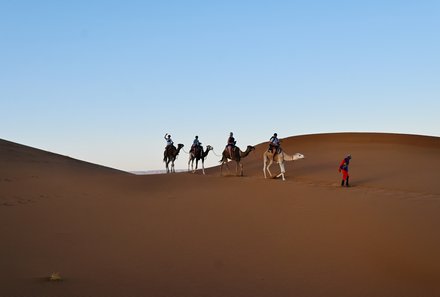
(103, 81)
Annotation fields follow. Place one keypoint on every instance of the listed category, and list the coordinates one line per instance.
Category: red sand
(109, 233)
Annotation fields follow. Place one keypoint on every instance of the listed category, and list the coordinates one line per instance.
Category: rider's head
(169, 136)
(230, 134)
(197, 137)
(275, 134)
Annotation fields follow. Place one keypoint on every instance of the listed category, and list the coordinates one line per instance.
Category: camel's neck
(205, 153)
(178, 150)
(245, 153)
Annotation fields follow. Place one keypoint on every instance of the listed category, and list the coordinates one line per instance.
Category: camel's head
(180, 145)
(208, 147)
(299, 156)
(250, 148)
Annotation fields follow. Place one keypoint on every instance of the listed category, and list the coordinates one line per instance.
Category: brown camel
(237, 155)
(280, 159)
(170, 155)
(198, 154)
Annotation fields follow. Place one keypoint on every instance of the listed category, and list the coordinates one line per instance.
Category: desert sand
(111, 233)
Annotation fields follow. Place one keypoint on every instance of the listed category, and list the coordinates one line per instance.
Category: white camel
(280, 159)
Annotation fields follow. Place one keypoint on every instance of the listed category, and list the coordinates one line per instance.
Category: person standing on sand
(343, 167)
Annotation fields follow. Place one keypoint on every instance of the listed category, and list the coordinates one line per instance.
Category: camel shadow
(365, 180)
(317, 166)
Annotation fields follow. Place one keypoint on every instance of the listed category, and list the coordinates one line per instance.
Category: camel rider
(169, 143)
(274, 144)
(231, 144)
(343, 167)
(196, 145)
(168, 140)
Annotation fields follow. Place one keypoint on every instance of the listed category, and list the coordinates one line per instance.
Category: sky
(103, 81)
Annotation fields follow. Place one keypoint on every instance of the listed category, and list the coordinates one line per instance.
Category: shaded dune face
(20, 159)
(109, 233)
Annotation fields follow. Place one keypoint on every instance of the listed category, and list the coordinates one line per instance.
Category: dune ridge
(111, 233)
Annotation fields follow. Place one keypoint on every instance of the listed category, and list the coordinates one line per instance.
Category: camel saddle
(197, 150)
(170, 149)
(277, 151)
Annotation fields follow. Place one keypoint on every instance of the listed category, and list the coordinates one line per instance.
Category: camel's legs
(189, 161)
(238, 164)
(282, 169)
(203, 166)
(221, 167)
(197, 165)
(264, 166)
(281, 174)
(236, 167)
(225, 162)
(268, 166)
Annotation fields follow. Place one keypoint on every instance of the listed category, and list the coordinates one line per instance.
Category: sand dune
(110, 233)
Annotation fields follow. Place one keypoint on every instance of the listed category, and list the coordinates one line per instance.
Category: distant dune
(154, 171)
(111, 233)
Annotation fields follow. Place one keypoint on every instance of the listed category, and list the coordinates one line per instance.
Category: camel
(237, 155)
(280, 159)
(170, 155)
(198, 155)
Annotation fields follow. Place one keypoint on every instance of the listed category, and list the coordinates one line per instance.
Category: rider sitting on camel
(196, 146)
(231, 144)
(168, 140)
(274, 144)
(169, 143)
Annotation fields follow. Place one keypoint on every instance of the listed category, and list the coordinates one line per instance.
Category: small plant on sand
(55, 277)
